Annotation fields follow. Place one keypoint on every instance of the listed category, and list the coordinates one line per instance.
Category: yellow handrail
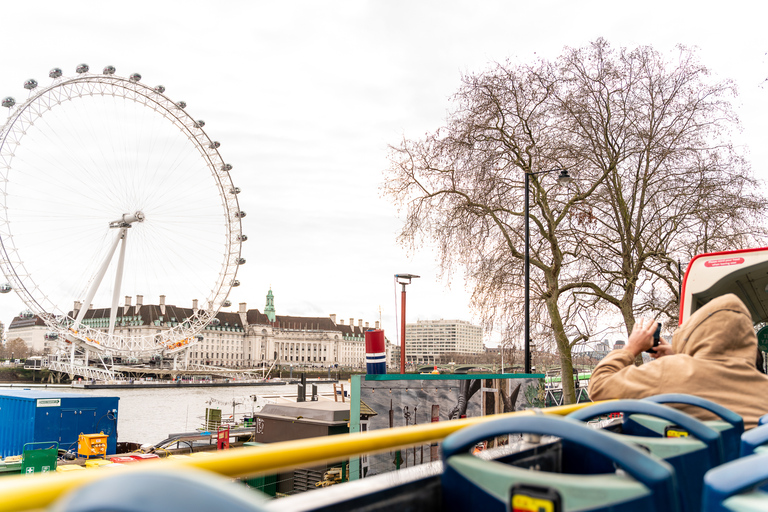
(20, 493)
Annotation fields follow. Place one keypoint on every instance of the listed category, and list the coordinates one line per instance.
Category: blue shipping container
(28, 416)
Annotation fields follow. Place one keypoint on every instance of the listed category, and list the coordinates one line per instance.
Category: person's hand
(641, 338)
(664, 349)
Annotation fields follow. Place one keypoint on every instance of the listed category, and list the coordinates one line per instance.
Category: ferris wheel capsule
(215, 145)
(199, 123)
(200, 337)
(30, 84)
(109, 70)
(242, 238)
(226, 303)
(82, 68)
(235, 282)
(27, 314)
(215, 322)
(160, 89)
(135, 77)
(8, 102)
(50, 336)
(240, 215)
(226, 167)
(182, 105)
(234, 190)
(55, 73)
(5, 287)
(241, 261)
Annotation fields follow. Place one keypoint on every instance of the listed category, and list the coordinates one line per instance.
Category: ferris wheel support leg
(97, 280)
(186, 359)
(118, 281)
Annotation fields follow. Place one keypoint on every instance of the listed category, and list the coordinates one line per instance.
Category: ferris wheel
(109, 187)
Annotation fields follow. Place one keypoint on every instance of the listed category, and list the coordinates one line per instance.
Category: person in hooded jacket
(712, 355)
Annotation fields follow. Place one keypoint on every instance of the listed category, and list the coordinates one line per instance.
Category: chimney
(351, 322)
(360, 323)
(242, 307)
(139, 301)
(377, 324)
(194, 305)
(90, 306)
(162, 300)
(341, 321)
(128, 301)
(333, 318)
(77, 306)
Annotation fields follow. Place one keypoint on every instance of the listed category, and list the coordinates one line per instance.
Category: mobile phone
(656, 338)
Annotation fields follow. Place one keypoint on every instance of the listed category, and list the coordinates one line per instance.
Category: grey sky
(305, 96)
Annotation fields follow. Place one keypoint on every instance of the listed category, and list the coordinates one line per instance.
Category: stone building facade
(242, 339)
(426, 340)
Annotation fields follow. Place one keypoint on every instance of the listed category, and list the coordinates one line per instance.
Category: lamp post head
(564, 178)
(405, 278)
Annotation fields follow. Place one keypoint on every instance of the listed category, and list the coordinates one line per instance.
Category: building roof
(20, 323)
(169, 315)
(153, 314)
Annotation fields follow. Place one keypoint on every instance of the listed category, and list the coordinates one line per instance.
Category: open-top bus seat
(155, 490)
(735, 486)
(698, 449)
(730, 425)
(598, 472)
(754, 441)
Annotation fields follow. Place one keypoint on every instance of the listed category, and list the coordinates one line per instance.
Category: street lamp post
(403, 279)
(563, 178)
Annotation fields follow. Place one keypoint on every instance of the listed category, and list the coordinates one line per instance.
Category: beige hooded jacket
(715, 352)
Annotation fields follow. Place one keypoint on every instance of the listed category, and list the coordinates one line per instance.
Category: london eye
(109, 188)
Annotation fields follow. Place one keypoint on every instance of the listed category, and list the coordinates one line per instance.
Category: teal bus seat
(156, 490)
(730, 425)
(598, 472)
(691, 456)
(754, 441)
(735, 486)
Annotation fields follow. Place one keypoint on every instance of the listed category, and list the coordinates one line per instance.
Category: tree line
(15, 349)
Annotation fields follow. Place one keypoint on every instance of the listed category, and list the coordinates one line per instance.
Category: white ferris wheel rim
(56, 316)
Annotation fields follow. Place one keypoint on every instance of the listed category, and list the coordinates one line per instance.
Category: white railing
(88, 372)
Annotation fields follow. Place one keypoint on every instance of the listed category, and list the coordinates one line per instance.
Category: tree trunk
(564, 351)
(629, 322)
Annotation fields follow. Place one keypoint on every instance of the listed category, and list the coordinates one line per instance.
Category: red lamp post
(403, 279)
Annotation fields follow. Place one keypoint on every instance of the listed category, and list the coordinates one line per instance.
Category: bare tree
(675, 187)
(647, 142)
(462, 188)
(16, 348)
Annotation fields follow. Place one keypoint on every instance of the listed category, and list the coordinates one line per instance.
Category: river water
(149, 415)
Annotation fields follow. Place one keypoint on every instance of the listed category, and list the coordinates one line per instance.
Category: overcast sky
(305, 97)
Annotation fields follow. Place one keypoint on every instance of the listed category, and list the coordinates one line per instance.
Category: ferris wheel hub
(127, 219)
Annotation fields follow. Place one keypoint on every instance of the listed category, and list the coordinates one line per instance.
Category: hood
(722, 329)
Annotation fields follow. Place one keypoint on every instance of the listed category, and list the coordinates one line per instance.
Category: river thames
(149, 415)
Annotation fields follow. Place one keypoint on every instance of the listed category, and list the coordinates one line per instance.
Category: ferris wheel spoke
(118, 282)
(97, 280)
